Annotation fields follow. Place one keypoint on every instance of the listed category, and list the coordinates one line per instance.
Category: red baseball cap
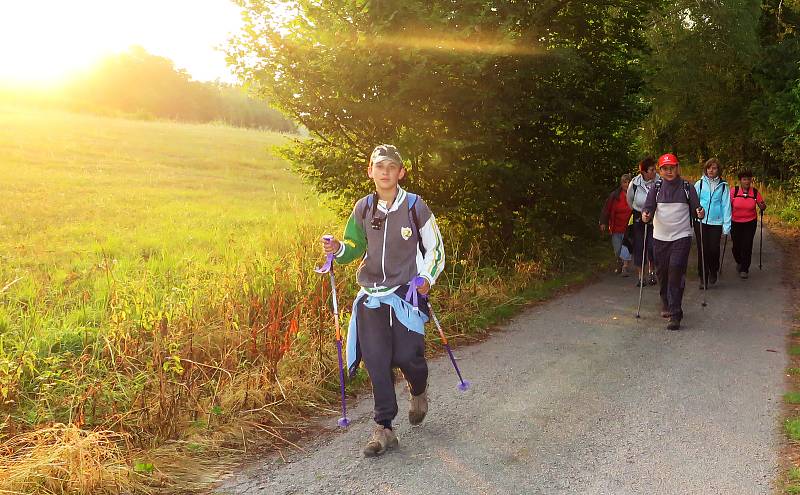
(668, 160)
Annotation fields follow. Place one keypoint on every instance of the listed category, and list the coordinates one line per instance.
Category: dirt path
(577, 396)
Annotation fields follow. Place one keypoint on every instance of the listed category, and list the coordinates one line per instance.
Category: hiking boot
(653, 279)
(712, 278)
(626, 269)
(674, 324)
(418, 408)
(382, 440)
(743, 275)
(618, 269)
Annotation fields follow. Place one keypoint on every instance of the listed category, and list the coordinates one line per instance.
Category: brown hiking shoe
(418, 408)
(382, 439)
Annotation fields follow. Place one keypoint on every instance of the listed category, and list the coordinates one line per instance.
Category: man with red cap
(672, 204)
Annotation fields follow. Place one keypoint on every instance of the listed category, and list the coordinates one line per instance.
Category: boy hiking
(396, 237)
(672, 204)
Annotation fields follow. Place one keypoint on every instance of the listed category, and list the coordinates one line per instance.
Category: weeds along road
(577, 396)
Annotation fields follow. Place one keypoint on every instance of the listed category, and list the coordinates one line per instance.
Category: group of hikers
(395, 236)
(653, 217)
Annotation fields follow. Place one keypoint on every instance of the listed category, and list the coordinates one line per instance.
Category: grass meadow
(151, 273)
(159, 315)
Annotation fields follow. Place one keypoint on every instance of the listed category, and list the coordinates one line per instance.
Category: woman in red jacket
(744, 200)
(614, 218)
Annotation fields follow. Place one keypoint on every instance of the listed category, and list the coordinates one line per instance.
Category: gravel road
(578, 396)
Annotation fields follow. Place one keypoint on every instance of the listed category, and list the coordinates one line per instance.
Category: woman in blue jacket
(714, 194)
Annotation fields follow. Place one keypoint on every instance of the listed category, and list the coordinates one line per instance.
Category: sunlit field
(146, 267)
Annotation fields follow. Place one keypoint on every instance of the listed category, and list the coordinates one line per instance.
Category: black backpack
(753, 189)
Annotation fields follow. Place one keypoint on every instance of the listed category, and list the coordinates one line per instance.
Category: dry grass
(64, 459)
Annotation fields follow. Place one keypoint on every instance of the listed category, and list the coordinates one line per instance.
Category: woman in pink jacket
(744, 200)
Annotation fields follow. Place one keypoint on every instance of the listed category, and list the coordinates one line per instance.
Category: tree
(698, 77)
(136, 82)
(722, 80)
(500, 107)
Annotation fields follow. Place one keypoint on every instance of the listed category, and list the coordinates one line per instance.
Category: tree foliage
(722, 79)
(138, 83)
(505, 110)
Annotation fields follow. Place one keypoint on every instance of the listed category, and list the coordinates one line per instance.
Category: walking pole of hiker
(641, 272)
(343, 422)
(722, 262)
(464, 385)
(761, 240)
(703, 265)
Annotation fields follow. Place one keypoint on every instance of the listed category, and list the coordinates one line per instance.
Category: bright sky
(43, 40)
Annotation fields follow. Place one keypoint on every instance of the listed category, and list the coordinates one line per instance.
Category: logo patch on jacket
(406, 233)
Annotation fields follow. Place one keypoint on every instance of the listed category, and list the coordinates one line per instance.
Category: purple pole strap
(327, 266)
(412, 296)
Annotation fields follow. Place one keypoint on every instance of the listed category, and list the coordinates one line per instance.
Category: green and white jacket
(393, 257)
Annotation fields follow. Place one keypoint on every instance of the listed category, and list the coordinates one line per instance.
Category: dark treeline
(138, 84)
(516, 117)
(723, 79)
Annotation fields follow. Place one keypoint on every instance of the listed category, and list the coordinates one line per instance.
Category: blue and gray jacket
(715, 198)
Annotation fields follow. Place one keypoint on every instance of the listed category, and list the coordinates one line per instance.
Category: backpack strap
(371, 204)
(412, 217)
(753, 193)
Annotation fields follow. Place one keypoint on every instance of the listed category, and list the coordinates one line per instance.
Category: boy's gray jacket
(391, 255)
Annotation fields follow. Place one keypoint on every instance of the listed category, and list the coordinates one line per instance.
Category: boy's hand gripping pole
(328, 268)
(464, 384)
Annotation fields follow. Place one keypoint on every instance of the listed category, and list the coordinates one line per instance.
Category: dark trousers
(386, 343)
(711, 237)
(639, 242)
(672, 258)
(742, 234)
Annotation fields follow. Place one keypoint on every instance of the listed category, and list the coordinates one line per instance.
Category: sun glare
(45, 41)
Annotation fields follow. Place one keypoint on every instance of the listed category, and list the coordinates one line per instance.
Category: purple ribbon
(328, 259)
(327, 266)
(412, 296)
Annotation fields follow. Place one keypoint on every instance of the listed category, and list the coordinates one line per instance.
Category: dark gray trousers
(386, 343)
(742, 235)
(672, 258)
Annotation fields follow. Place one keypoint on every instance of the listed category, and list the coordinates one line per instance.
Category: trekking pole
(761, 240)
(464, 385)
(722, 262)
(343, 422)
(641, 275)
(703, 265)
